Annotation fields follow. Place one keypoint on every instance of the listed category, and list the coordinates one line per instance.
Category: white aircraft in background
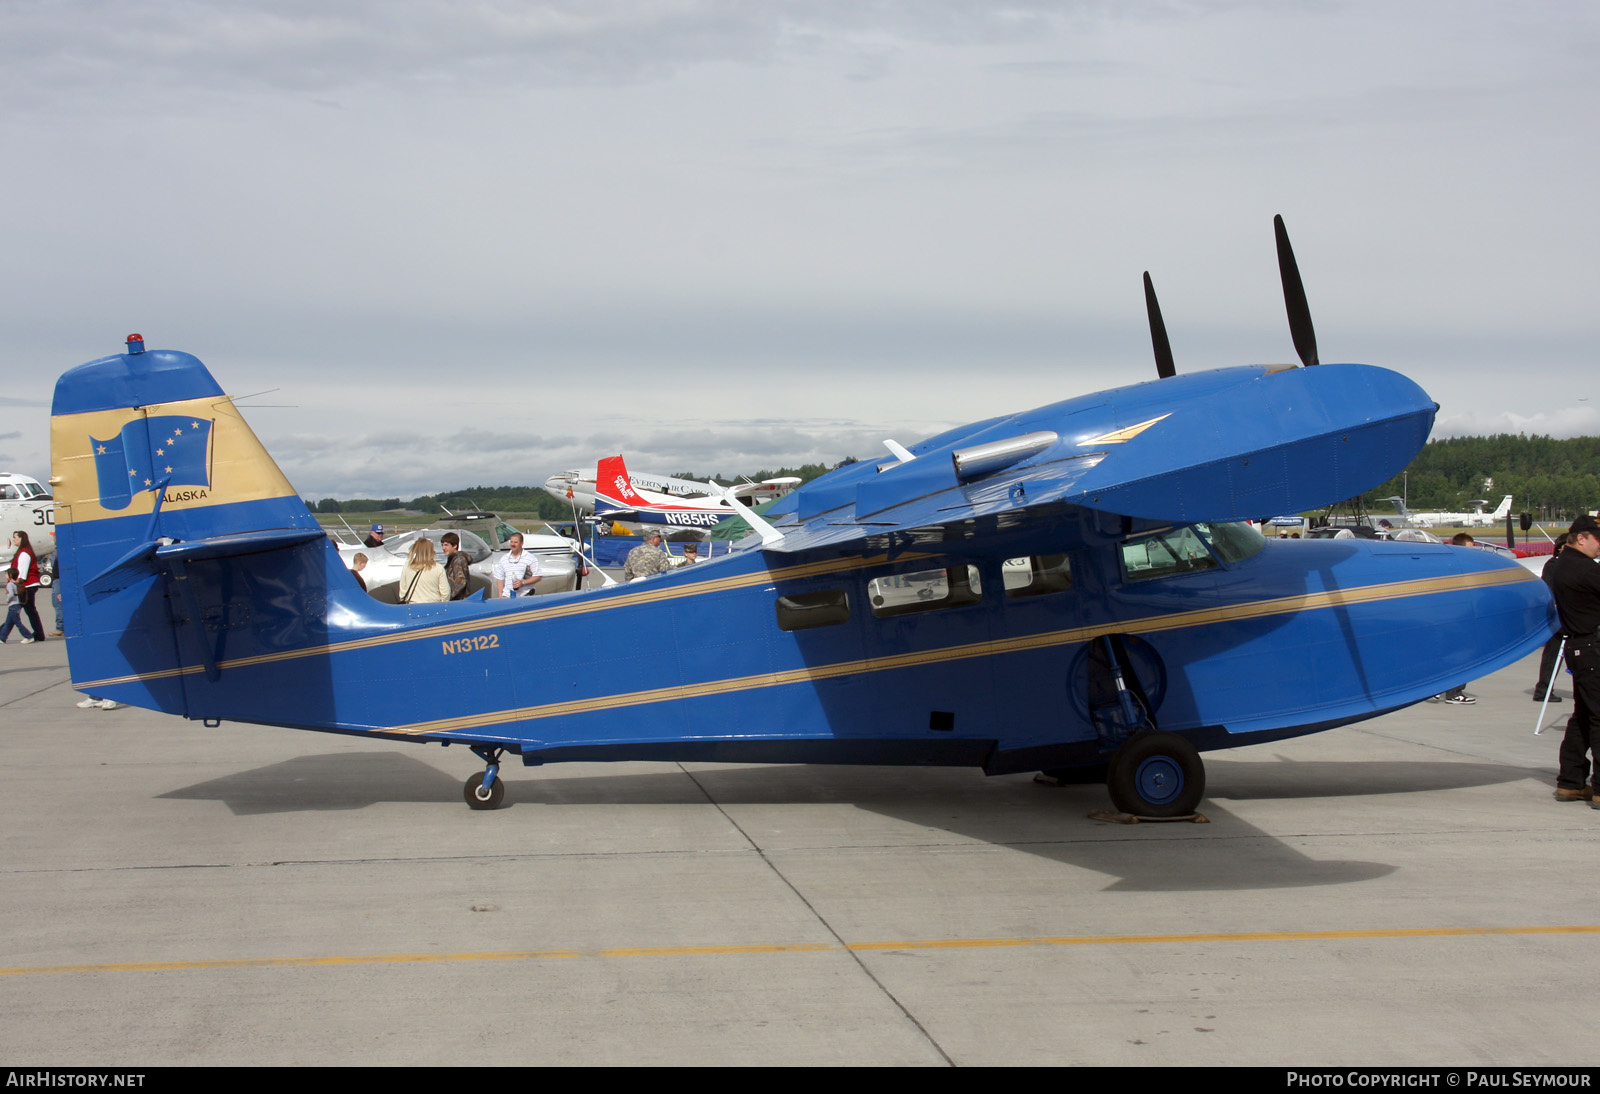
(1475, 519)
(657, 499)
(26, 506)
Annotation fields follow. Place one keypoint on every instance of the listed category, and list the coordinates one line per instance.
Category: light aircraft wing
(1230, 444)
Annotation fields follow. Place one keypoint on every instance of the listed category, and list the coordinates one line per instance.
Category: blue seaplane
(1073, 589)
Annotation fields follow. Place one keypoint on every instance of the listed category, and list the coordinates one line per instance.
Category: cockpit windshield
(1187, 549)
(1234, 542)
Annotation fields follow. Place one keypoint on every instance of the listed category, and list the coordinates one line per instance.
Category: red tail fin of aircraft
(613, 484)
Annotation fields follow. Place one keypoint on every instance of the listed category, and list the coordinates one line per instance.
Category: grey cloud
(321, 50)
(377, 465)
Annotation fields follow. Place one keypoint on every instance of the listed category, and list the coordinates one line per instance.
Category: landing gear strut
(485, 790)
(1151, 773)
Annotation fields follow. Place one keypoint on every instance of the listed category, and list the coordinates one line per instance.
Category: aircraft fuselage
(983, 671)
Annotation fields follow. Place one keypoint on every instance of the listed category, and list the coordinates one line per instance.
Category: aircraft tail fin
(181, 543)
(613, 486)
(1503, 509)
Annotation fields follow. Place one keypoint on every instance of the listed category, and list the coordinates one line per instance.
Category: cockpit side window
(1165, 552)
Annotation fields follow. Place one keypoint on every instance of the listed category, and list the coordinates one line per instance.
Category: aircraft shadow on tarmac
(1011, 811)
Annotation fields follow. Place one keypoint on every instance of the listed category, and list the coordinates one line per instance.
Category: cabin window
(924, 591)
(802, 611)
(1165, 552)
(9, 492)
(1036, 575)
(1233, 541)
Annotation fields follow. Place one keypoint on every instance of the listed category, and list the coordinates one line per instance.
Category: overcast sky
(487, 241)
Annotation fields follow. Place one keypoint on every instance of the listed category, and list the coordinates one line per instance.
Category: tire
(472, 792)
(1156, 774)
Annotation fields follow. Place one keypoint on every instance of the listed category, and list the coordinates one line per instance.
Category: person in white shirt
(517, 572)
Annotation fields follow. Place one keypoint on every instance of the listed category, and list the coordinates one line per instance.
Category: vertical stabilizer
(614, 486)
(161, 489)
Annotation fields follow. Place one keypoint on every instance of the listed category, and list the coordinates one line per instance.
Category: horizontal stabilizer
(155, 557)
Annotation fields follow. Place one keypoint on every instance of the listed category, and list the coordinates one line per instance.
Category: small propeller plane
(1067, 589)
(611, 490)
(26, 506)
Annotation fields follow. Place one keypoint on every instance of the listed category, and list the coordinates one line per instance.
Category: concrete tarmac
(1403, 891)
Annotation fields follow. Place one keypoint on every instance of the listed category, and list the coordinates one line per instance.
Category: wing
(1230, 444)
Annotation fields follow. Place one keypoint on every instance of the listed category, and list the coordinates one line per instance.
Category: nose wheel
(485, 790)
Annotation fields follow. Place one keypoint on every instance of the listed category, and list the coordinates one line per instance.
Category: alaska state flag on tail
(152, 454)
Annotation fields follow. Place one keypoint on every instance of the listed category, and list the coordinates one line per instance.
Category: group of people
(24, 576)
(425, 579)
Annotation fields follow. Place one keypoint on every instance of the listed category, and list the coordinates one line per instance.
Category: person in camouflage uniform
(647, 559)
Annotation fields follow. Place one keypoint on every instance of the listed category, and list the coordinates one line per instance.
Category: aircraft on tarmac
(26, 506)
(1475, 519)
(1070, 588)
(611, 489)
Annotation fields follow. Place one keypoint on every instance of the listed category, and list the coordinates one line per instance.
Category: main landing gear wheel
(480, 798)
(1156, 774)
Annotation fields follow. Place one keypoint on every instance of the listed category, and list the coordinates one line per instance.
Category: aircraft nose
(1439, 616)
(1512, 612)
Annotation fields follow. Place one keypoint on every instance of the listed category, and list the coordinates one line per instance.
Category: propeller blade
(1294, 298)
(1158, 332)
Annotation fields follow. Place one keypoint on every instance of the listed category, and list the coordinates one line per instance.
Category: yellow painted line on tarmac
(798, 947)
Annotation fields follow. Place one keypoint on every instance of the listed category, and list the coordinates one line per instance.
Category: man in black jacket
(1576, 583)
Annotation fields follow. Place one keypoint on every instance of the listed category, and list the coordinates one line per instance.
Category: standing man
(647, 559)
(517, 572)
(374, 537)
(1576, 581)
(456, 565)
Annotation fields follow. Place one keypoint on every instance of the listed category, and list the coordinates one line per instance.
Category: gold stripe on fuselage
(582, 605)
(1147, 625)
(1070, 636)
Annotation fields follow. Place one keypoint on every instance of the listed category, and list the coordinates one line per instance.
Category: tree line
(1552, 479)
